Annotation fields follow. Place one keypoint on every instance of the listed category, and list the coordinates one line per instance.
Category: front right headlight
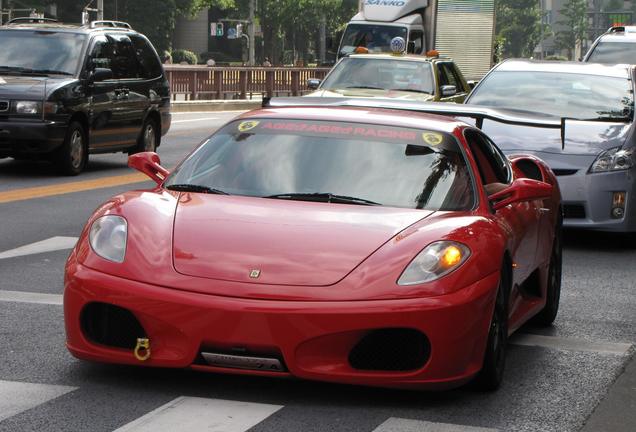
(436, 260)
(614, 159)
(108, 237)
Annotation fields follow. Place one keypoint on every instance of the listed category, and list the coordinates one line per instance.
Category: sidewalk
(216, 105)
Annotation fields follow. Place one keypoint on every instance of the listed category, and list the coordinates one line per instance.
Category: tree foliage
(575, 26)
(519, 26)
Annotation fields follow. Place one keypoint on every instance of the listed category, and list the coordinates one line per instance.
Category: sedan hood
(28, 87)
(585, 138)
(279, 242)
(367, 93)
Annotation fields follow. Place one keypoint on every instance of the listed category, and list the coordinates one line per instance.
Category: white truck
(460, 29)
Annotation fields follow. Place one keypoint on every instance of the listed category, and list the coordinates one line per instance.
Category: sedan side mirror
(101, 74)
(313, 83)
(448, 90)
(149, 164)
(521, 190)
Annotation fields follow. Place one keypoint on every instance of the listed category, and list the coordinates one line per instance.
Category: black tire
(71, 158)
(491, 374)
(553, 293)
(148, 140)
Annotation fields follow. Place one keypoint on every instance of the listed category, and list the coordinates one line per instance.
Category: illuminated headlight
(437, 260)
(28, 107)
(108, 237)
(614, 159)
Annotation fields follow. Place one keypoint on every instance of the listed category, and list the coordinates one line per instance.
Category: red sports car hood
(279, 242)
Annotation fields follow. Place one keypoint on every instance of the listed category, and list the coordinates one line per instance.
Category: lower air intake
(111, 325)
(397, 349)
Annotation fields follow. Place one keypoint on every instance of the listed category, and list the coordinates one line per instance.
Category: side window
(124, 61)
(101, 53)
(493, 165)
(417, 37)
(149, 65)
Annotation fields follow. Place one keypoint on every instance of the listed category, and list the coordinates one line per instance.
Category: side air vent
(395, 349)
(111, 325)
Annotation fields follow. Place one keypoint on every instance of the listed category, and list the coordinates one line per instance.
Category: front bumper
(313, 339)
(30, 137)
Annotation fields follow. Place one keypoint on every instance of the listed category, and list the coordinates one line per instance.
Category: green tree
(575, 26)
(518, 26)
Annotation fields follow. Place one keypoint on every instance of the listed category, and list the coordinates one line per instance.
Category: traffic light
(219, 29)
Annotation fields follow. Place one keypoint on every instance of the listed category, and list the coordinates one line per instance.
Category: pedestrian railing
(201, 82)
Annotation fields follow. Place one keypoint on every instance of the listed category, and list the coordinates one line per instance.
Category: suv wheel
(73, 155)
(148, 140)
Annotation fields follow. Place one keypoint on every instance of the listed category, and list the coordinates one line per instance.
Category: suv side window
(124, 60)
(149, 65)
(492, 164)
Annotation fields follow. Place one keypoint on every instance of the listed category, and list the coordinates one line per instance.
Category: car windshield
(557, 94)
(347, 163)
(45, 51)
(376, 38)
(386, 74)
(613, 53)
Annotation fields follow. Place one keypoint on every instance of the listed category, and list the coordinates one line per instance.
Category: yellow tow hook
(142, 350)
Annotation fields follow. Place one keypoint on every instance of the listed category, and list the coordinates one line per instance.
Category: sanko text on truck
(460, 29)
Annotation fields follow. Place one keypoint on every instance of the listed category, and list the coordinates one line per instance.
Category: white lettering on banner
(384, 3)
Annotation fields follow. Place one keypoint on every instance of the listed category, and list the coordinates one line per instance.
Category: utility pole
(100, 10)
(252, 28)
(323, 38)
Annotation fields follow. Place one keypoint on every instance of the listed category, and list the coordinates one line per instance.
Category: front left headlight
(614, 159)
(436, 260)
(28, 107)
(108, 237)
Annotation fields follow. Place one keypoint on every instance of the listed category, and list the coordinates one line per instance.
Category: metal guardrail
(202, 82)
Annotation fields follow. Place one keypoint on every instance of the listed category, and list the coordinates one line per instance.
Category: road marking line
(194, 120)
(567, 344)
(49, 245)
(30, 297)
(395, 424)
(66, 188)
(18, 397)
(200, 414)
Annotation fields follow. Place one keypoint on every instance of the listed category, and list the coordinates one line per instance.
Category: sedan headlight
(108, 237)
(28, 107)
(436, 260)
(614, 159)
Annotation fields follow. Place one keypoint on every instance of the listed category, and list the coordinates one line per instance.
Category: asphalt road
(572, 373)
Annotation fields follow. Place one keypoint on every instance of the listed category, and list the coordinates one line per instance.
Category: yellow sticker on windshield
(248, 125)
(432, 138)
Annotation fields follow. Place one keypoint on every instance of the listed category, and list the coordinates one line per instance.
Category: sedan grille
(573, 211)
(4, 106)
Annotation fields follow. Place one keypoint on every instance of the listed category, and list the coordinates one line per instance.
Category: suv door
(450, 76)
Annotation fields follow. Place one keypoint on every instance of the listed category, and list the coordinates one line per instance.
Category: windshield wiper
(323, 197)
(24, 70)
(365, 87)
(411, 90)
(196, 188)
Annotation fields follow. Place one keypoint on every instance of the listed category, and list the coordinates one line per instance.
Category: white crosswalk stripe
(16, 397)
(406, 425)
(52, 244)
(186, 414)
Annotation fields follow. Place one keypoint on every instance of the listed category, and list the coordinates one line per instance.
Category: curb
(215, 105)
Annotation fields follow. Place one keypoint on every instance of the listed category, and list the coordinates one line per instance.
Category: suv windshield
(557, 94)
(376, 38)
(386, 74)
(345, 163)
(613, 53)
(42, 51)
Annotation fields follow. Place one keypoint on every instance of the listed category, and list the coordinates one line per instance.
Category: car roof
(377, 116)
(64, 28)
(405, 57)
(617, 71)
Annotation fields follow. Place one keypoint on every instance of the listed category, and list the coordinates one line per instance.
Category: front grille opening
(564, 172)
(396, 349)
(574, 211)
(111, 325)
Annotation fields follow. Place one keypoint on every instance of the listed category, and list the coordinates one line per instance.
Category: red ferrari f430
(356, 245)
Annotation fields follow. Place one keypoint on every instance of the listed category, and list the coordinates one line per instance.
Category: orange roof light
(361, 50)
(432, 53)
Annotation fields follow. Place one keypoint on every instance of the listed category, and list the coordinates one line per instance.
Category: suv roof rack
(111, 24)
(31, 20)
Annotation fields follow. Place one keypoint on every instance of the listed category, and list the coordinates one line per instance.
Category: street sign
(213, 29)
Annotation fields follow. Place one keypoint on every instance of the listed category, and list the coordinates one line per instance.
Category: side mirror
(101, 74)
(149, 164)
(448, 90)
(521, 190)
(472, 84)
(313, 83)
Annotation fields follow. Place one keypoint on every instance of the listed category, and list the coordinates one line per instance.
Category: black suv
(67, 91)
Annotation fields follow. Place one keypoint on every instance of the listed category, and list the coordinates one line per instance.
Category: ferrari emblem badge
(432, 138)
(254, 274)
(248, 125)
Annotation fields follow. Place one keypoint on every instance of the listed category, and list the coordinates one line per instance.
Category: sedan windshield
(557, 94)
(45, 52)
(385, 74)
(335, 162)
(613, 53)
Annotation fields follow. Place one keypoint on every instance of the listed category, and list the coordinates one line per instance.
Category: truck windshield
(376, 38)
(613, 53)
(43, 51)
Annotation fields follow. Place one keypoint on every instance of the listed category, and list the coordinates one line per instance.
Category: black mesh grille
(564, 172)
(111, 325)
(573, 211)
(391, 350)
